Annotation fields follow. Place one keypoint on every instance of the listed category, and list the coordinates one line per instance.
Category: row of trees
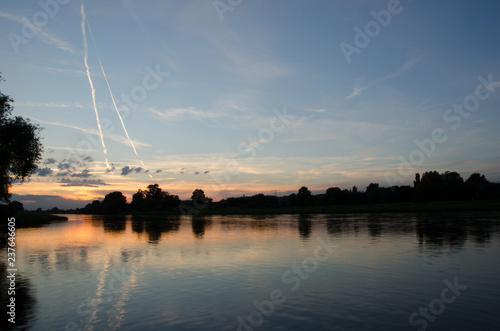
(430, 186)
(153, 198)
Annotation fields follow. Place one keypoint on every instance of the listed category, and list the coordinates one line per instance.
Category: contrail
(111, 93)
(85, 46)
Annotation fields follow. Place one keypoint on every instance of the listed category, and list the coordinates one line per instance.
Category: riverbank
(451, 206)
(33, 220)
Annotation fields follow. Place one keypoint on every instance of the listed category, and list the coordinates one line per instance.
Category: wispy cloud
(115, 137)
(64, 70)
(407, 66)
(42, 34)
(185, 113)
(356, 91)
(242, 56)
(82, 182)
(315, 110)
(487, 88)
(39, 104)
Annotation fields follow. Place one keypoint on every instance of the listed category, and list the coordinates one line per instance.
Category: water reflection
(338, 225)
(481, 231)
(114, 223)
(155, 227)
(375, 225)
(25, 299)
(305, 226)
(431, 230)
(118, 268)
(199, 224)
(452, 231)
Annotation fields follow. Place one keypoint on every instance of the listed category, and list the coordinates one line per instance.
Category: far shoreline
(415, 207)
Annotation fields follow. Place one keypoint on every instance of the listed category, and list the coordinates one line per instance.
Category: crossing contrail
(112, 97)
(84, 19)
(111, 93)
(85, 47)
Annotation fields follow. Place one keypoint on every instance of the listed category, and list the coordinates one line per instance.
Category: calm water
(286, 272)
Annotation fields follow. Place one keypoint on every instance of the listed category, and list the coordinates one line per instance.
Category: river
(274, 272)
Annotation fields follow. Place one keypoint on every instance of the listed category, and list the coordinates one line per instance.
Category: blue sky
(204, 93)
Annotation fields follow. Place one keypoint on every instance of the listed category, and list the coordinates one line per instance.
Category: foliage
(199, 200)
(20, 147)
(113, 203)
(431, 190)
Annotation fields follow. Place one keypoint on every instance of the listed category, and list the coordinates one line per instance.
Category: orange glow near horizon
(84, 194)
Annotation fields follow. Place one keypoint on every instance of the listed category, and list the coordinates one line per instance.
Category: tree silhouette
(474, 185)
(199, 199)
(157, 199)
(430, 186)
(373, 193)
(113, 202)
(137, 200)
(20, 147)
(452, 187)
(332, 195)
(304, 197)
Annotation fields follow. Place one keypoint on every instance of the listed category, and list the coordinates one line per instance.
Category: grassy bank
(489, 205)
(33, 220)
(450, 206)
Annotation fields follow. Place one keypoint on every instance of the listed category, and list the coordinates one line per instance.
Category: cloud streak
(85, 47)
(42, 35)
(111, 93)
(111, 136)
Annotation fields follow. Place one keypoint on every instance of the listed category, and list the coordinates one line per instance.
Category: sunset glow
(264, 98)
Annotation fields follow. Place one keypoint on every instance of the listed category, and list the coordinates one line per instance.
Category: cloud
(115, 137)
(407, 66)
(50, 161)
(158, 171)
(356, 91)
(82, 182)
(84, 174)
(63, 174)
(38, 104)
(66, 165)
(32, 201)
(185, 113)
(44, 172)
(127, 170)
(41, 34)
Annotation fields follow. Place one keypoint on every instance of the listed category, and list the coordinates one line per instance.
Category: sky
(245, 97)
